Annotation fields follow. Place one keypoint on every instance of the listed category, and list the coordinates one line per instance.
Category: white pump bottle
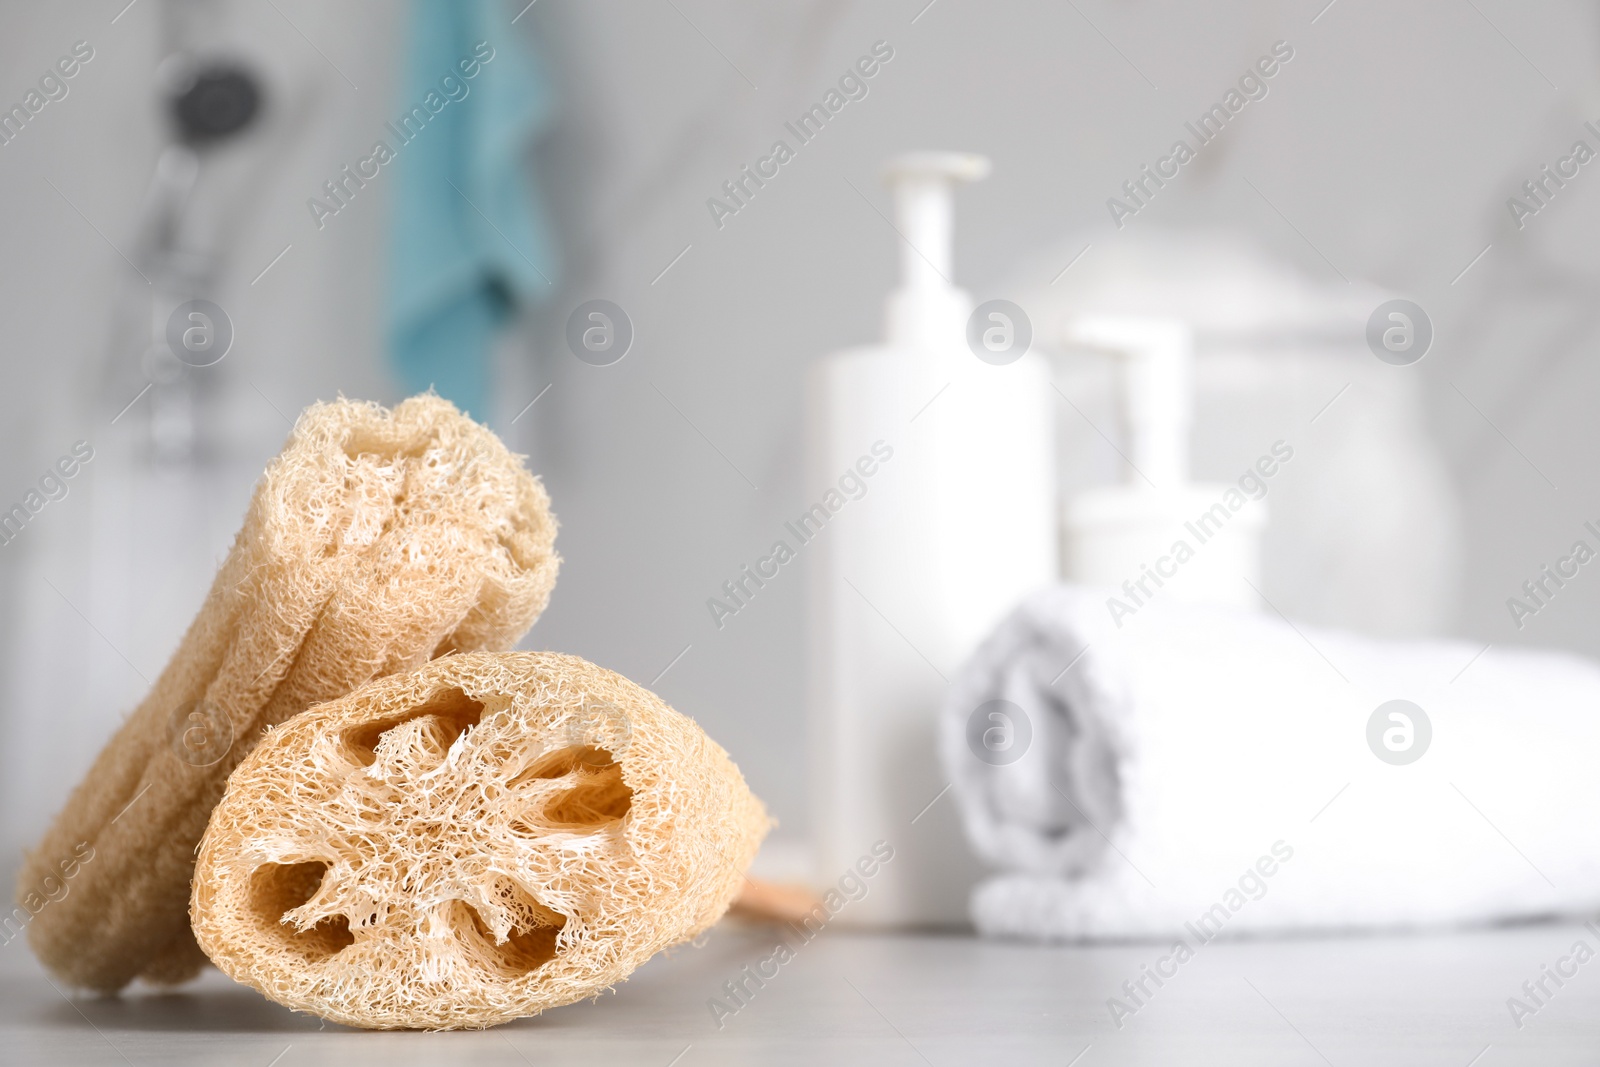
(949, 532)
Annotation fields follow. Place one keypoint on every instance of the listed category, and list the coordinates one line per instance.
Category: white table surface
(847, 998)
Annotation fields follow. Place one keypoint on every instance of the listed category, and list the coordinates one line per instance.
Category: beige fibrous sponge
(486, 837)
(376, 541)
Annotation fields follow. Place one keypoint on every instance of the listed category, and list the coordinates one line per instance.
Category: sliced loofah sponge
(483, 838)
(374, 542)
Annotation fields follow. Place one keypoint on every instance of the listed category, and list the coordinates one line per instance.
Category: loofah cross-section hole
(594, 795)
(524, 943)
(276, 889)
(431, 729)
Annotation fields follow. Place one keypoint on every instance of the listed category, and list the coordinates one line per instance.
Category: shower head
(215, 101)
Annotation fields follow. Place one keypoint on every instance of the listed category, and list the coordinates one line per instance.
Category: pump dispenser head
(927, 310)
(1158, 518)
(1156, 359)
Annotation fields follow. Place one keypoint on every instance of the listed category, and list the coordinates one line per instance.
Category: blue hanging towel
(468, 240)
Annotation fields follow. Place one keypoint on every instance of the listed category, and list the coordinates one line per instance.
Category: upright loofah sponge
(486, 837)
(374, 542)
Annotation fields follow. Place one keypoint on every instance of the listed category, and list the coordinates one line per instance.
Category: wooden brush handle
(770, 902)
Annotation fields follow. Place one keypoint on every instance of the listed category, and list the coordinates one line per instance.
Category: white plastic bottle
(954, 525)
(1123, 537)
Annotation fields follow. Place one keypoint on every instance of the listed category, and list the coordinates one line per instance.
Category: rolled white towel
(1195, 765)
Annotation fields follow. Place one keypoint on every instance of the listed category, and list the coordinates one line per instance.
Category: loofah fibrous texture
(486, 837)
(377, 540)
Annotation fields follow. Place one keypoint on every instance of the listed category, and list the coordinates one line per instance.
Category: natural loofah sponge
(483, 838)
(374, 542)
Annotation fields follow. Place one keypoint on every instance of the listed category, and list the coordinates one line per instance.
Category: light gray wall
(1389, 145)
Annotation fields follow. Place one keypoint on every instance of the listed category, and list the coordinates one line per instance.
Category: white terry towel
(1212, 768)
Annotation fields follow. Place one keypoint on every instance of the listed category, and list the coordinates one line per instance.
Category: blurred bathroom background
(1377, 165)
